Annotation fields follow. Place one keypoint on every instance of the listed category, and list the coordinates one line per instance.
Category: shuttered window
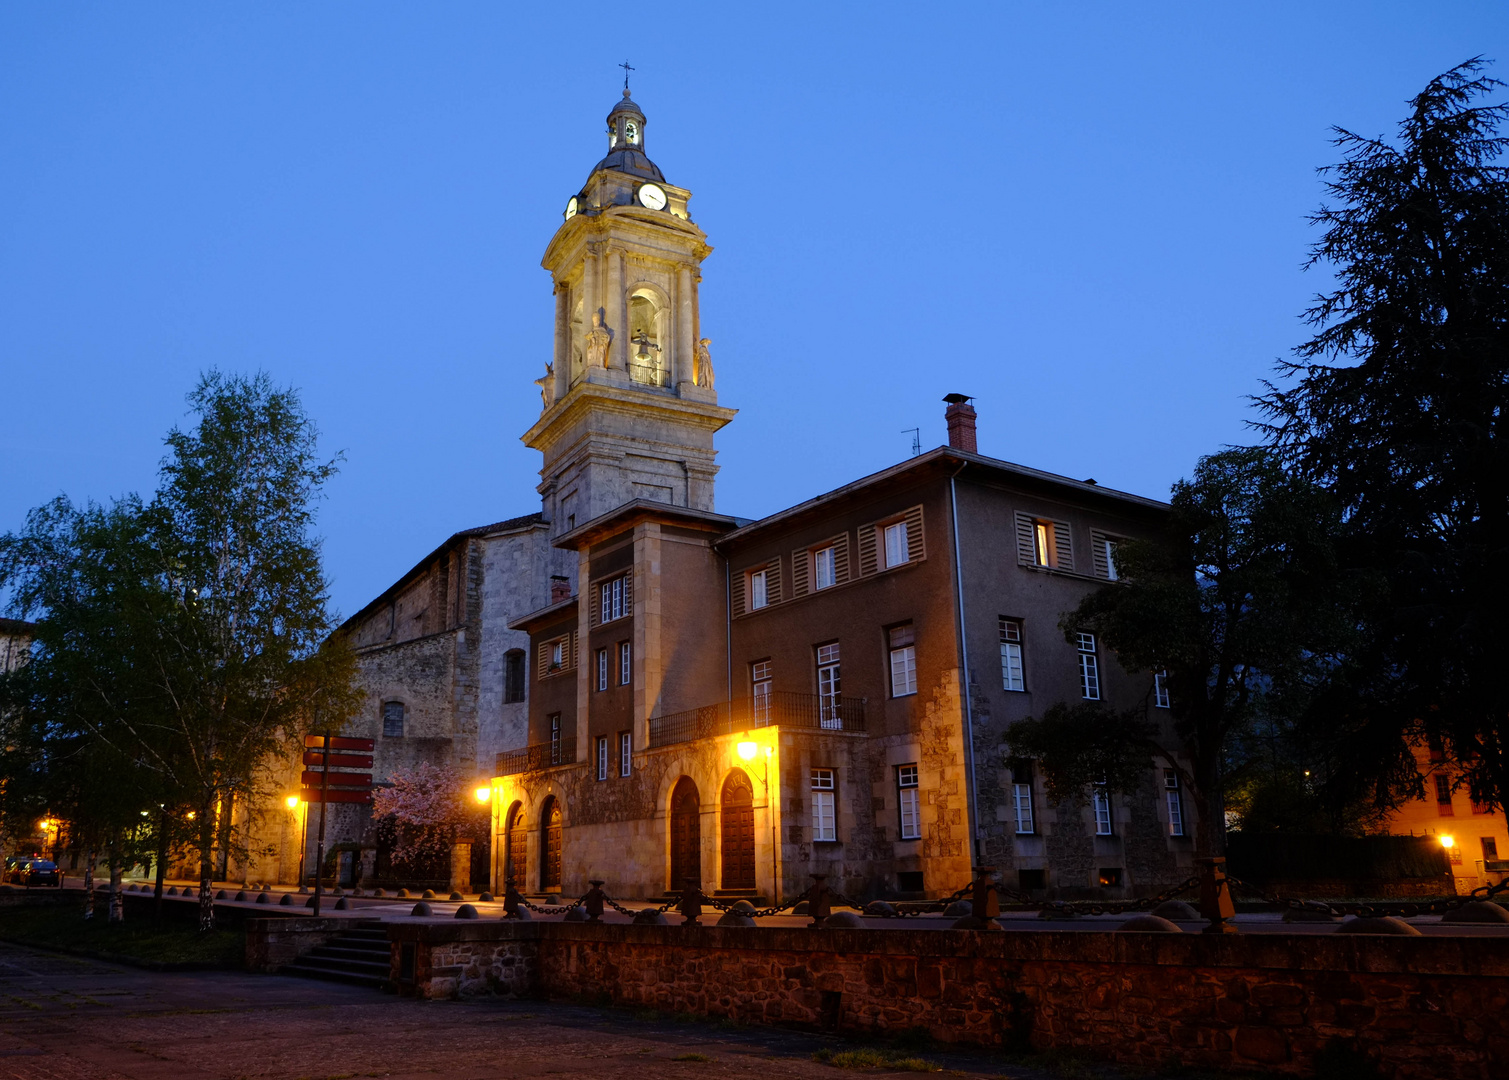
(820, 566)
(1043, 542)
(757, 587)
(557, 655)
(612, 599)
(1103, 555)
(888, 544)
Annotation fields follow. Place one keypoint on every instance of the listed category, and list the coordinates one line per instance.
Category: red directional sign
(338, 742)
(338, 761)
(356, 795)
(337, 779)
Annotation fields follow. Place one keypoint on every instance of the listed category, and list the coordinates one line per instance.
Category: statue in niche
(702, 370)
(547, 387)
(598, 339)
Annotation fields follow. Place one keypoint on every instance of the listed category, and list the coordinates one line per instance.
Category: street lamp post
(483, 793)
(747, 750)
(294, 802)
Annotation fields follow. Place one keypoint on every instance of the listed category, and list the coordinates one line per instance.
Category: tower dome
(626, 142)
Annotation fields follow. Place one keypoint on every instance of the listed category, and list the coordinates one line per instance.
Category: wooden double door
(738, 831)
(686, 834)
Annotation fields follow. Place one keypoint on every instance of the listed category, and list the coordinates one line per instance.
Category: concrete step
(309, 970)
(337, 963)
(338, 951)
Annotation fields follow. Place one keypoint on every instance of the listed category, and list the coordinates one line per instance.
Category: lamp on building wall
(482, 794)
(293, 802)
(1448, 842)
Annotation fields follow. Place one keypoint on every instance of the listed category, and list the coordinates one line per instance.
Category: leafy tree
(1238, 602)
(1398, 407)
(426, 809)
(185, 635)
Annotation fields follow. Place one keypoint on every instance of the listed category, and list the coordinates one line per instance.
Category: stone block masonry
(1417, 1008)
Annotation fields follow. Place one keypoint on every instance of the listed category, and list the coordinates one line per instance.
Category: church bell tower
(628, 407)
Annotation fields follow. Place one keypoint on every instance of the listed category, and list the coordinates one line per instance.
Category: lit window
(1089, 668)
(758, 595)
(1042, 539)
(760, 686)
(392, 719)
(1160, 689)
(829, 703)
(602, 669)
(625, 753)
(903, 661)
(895, 544)
(1175, 803)
(1012, 677)
(625, 664)
(907, 798)
(1102, 804)
(602, 757)
(823, 573)
(824, 825)
(610, 604)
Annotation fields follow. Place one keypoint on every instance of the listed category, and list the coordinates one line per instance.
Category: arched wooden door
(686, 834)
(738, 832)
(516, 854)
(550, 850)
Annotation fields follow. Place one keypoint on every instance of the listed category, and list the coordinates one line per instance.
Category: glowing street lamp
(482, 794)
(1448, 842)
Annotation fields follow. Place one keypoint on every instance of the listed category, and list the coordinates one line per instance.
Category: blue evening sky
(1091, 217)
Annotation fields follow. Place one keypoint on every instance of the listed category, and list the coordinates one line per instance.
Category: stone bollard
(984, 902)
(593, 901)
(819, 906)
(691, 902)
(1215, 896)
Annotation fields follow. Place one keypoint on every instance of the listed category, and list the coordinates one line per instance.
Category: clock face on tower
(652, 197)
(571, 208)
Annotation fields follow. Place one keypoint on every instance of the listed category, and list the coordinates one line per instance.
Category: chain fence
(693, 899)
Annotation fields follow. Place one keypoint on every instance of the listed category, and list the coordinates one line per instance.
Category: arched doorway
(738, 832)
(686, 833)
(516, 847)
(550, 849)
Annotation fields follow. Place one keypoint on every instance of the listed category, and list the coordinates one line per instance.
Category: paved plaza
(69, 1018)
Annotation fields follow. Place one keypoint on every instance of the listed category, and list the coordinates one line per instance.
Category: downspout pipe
(969, 711)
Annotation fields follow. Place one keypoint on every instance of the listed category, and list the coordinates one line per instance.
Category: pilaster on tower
(628, 404)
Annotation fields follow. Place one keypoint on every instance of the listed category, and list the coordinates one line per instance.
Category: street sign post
(324, 786)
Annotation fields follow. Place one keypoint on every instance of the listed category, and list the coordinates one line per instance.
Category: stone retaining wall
(1419, 1008)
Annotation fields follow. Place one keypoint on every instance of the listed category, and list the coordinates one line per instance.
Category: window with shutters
(760, 683)
(1089, 667)
(824, 574)
(824, 805)
(1044, 543)
(557, 655)
(1172, 797)
(1103, 553)
(392, 719)
(903, 648)
(513, 676)
(1013, 674)
(602, 757)
(908, 801)
(625, 753)
(895, 544)
(759, 591)
(625, 663)
(1160, 690)
(613, 599)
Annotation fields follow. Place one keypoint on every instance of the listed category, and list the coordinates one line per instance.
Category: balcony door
(686, 834)
(738, 832)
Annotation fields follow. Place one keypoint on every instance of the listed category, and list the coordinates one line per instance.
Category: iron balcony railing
(822, 712)
(547, 755)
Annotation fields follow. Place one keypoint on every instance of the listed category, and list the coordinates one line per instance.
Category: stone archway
(738, 831)
(516, 847)
(686, 834)
(550, 848)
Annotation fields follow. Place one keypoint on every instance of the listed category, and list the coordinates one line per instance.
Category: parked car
(36, 872)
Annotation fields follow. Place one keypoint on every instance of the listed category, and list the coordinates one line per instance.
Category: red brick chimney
(960, 416)
(560, 588)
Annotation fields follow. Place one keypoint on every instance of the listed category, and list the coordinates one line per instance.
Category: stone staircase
(359, 956)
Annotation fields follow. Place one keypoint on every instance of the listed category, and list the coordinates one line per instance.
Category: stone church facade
(656, 691)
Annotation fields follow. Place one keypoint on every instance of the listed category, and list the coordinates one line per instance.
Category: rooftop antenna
(916, 439)
(627, 69)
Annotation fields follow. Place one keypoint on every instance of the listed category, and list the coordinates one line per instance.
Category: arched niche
(650, 347)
